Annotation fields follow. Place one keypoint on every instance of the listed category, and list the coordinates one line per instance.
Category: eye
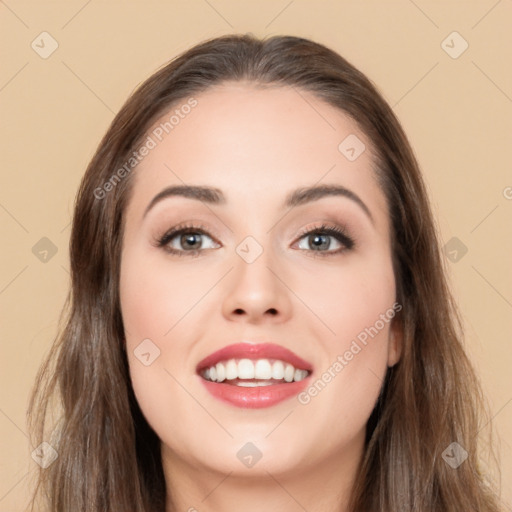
(184, 240)
(187, 240)
(319, 238)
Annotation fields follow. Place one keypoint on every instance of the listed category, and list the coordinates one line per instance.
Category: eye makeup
(190, 232)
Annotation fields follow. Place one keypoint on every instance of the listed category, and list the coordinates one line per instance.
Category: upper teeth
(248, 369)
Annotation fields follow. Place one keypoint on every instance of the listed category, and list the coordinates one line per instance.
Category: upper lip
(254, 351)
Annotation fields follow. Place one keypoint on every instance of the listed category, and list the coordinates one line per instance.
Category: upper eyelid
(323, 225)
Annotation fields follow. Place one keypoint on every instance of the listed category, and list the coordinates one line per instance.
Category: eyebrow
(297, 197)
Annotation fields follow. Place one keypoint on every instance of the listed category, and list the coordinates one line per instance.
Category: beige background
(456, 112)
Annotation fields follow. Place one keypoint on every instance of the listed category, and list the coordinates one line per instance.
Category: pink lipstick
(254, 375)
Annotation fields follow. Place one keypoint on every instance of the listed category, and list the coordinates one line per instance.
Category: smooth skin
(257, 145)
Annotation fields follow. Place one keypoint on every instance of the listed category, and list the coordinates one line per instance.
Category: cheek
(163, 397)
(154, 298)
(160, 303)
(155, 295)
(350, 297)
(357, 305)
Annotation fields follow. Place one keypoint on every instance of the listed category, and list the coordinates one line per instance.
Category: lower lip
(255, 397)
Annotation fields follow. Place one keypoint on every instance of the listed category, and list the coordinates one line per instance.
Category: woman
(259, 314)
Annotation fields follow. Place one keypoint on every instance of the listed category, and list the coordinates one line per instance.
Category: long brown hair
(108, 455)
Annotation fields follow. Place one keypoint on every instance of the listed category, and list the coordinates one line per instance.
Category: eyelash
(339, 233)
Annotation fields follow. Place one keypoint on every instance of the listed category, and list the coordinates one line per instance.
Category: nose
(257, 292)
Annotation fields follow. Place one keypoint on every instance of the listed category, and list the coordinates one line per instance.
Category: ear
(395, 341)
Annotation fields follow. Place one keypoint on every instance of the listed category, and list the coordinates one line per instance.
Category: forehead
(253, 141)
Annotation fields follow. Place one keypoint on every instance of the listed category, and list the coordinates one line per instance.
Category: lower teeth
(253, 384)
(250, 383)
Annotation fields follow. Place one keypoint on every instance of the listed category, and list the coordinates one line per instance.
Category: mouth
(249, 373)
(254, 375)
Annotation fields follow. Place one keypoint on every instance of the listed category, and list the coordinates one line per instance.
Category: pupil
(189, 238)
(318, 238)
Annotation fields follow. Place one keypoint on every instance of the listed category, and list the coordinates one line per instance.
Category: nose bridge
(256, 288)
(253, 263)
(256, 249)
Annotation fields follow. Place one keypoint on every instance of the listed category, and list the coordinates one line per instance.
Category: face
(313, 277)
